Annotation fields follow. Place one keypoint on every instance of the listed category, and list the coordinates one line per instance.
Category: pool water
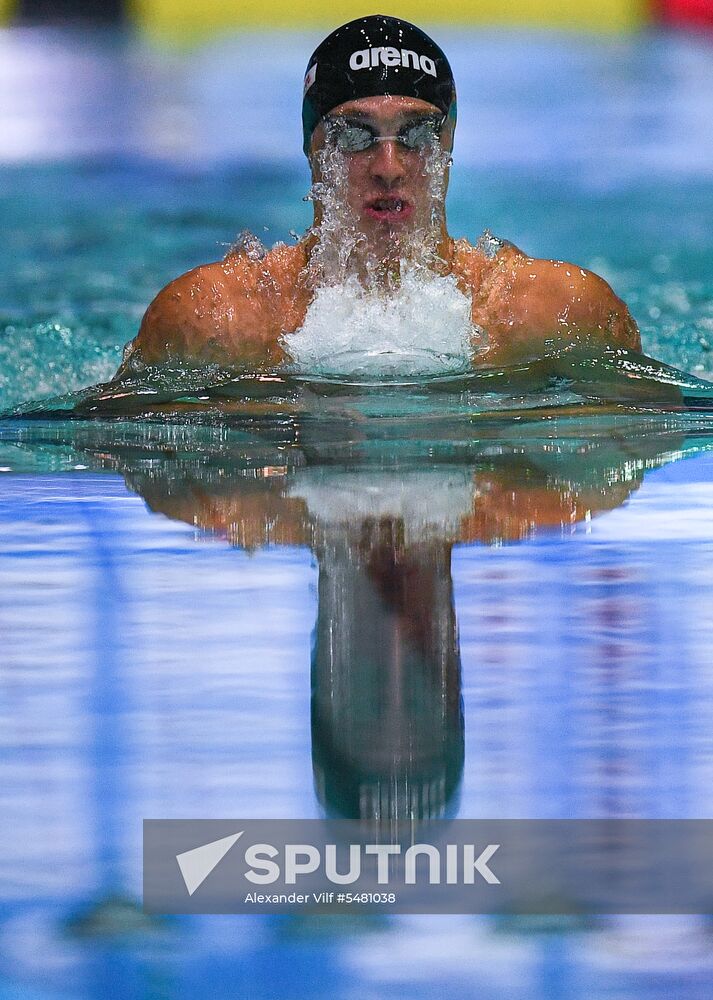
(184, 596)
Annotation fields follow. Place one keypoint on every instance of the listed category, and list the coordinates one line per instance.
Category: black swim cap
(371, 57)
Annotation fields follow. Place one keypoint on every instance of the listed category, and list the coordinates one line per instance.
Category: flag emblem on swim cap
(310, 77)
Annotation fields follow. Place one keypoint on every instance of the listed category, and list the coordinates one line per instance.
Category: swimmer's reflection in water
(387, 720)
(379, 115)
(387, 717)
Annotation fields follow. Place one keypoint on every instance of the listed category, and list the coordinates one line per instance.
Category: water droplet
(488, 244)
(249, 244)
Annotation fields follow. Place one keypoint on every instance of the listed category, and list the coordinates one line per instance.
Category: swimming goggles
(356, 137)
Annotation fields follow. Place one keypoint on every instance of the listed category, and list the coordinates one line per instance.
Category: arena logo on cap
(387, 55)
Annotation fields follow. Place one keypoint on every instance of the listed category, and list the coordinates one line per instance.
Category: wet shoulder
(487, 254)
(244, 273)
(254, 267)
(518, 298)
(499, 271)
(487, 263)
(227, 310)
(186, 299)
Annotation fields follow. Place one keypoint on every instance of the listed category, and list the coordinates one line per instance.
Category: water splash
(50, 357)
(249, 244)
(489, 245)
(423, 327)
(342, 247)
(382, 308)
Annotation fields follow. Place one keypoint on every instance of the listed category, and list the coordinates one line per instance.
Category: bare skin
(236, 311)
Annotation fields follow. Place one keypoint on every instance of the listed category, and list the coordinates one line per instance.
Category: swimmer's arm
(581, 303)
(178, 324)
(549, 302)
(205, 316)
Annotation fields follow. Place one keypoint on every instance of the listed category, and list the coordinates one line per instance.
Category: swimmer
(379, 113)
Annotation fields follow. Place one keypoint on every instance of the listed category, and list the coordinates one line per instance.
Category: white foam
(423, 327)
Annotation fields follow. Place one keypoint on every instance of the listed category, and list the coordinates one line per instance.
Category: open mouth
(389, 209)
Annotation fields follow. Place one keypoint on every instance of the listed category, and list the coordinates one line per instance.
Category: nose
(387, 163)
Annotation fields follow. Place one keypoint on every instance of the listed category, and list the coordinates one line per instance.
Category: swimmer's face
(388, 186)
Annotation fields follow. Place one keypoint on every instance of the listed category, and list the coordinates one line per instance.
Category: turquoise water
(169, 578)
